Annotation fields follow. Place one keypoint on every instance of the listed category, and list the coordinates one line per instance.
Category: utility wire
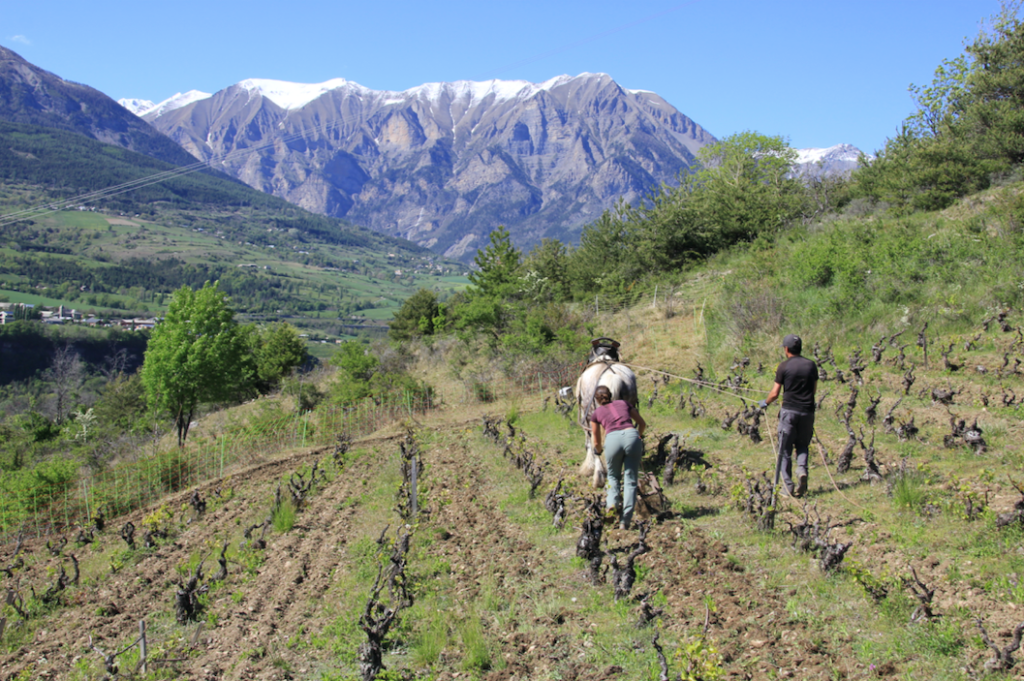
(116, 190)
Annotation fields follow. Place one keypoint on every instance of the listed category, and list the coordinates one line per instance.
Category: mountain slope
(30, 95)
(443, 163)
(128, 251)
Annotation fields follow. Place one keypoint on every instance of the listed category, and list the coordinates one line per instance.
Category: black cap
(793, 343)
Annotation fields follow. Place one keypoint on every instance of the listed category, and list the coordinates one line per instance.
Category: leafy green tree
(889, 177)
(121, 406)
(276, 349)
(991, 105)
(355, 360)
(969, 123)
(938, 103)
(607, 257)
(416, 316)
(194, 356)
(742, 189)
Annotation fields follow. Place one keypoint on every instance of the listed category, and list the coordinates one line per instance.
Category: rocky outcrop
(444, 163)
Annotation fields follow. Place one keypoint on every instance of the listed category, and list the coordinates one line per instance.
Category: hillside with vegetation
(128, 250)
(294, 537)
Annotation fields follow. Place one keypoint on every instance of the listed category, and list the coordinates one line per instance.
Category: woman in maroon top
(615, 435)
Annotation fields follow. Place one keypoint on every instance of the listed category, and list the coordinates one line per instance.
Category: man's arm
(772, 396)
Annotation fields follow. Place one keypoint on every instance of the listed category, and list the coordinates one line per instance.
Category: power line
(54, 206)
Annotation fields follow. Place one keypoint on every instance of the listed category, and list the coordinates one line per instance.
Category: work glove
(763, 404)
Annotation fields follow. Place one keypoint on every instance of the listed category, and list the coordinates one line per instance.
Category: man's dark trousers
(795, 432)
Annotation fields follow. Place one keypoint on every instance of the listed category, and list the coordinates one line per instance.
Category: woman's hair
(603, 395)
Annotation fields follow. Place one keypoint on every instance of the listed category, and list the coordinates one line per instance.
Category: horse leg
(593, 464)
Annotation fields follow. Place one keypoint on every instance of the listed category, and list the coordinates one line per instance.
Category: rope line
(771, 440)
(834, 485)
(703, 384)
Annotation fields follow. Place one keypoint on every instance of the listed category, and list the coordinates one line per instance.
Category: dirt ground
(500, 555)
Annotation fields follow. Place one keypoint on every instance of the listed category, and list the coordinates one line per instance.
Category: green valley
(123, 255)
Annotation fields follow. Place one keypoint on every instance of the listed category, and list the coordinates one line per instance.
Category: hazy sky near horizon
(816, 72)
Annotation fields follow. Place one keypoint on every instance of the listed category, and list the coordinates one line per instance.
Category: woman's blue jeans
(623, 450)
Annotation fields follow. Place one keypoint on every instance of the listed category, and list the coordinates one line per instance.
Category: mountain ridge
(443, 164)
(34, 96)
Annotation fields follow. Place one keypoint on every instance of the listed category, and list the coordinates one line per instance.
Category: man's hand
(763, 404)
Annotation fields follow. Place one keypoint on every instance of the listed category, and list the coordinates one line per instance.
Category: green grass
(284, 516)
(908, 492)
(477, 651)
(33, 299)
(321, 291)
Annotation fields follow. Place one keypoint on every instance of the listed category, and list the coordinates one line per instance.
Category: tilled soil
(704, 583)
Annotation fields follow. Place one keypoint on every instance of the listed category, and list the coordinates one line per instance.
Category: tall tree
(416, 316)
(498, 266)
(194, 356)
(743, 188)
(66, 375)
(969, 123)
(497, 285)
(545, 266)
(993, 100)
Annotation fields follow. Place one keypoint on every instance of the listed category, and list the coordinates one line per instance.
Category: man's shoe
(623, 525)
(801, 487)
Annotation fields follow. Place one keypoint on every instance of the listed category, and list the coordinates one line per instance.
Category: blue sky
(819, 73)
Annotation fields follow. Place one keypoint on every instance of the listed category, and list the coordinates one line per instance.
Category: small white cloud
(21, 39)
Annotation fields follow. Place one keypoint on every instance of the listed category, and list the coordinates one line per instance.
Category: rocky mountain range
(441, 164)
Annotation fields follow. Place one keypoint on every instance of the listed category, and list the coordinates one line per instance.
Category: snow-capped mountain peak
(839, 152)
(464, 90)
(292, 96)
(841, 159)
(136, 106)
(176, 102)
(471, 92)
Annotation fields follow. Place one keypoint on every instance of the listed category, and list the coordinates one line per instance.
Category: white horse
(604, 369)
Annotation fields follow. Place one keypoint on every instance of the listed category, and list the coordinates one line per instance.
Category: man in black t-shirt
(796, 378)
